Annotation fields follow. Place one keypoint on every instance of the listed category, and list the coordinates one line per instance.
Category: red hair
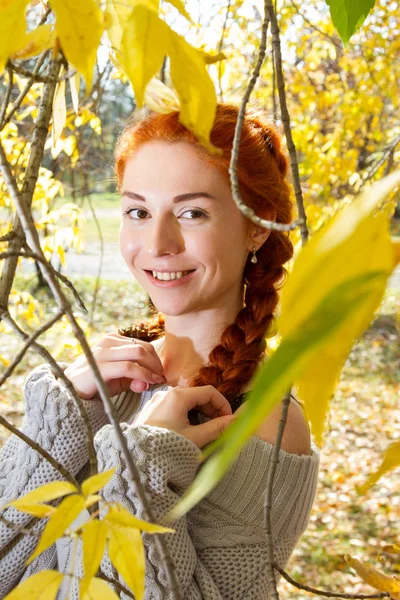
(262, 168)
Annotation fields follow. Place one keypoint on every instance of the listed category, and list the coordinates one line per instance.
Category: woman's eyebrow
(179, 198)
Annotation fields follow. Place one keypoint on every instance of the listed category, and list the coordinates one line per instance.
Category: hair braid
(262, 169)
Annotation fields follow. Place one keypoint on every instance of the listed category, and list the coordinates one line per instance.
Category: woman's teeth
(168, 276)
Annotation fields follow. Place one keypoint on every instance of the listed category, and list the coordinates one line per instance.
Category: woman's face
(179, 215)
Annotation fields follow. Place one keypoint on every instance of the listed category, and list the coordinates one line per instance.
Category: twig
(335, 41)
(54, 463)
(382, 160)
(30, 179)
(61, 375)
(48, 273)
(220, 45)
(27, 345)
(246, 210)
(325, 593)
(32, 77)
(7, 96)
(286, 120)
(19, 529)
(64, 279)
(268, 496)
(118, 585)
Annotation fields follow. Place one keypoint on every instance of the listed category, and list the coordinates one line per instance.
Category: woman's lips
(171, 282)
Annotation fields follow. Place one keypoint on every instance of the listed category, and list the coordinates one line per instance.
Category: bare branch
(326, 594)
(64, 279)
(54, 463)
(286, 120)
(7, 96)
(220, 46)
(19, 529)
(27, 345)
(118, 585)
(61, 375)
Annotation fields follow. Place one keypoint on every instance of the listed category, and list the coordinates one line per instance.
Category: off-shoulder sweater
(219, 548)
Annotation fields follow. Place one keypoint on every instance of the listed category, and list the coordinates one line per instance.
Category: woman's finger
(134, 353)
(208, 432)
(116, 339)
(201, 396)
(124, 368)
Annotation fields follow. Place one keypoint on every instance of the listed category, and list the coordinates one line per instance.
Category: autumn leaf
(118, 515)
(96, 482)
(59, 111)
(195, 89)
(99, 588)
(37, 510)
(373, 577)
(41, 586)
(79, 26)
(49, 491)
(117, 13)
(179, 5)
(126, 553)
(35, 42)
(62, 518)
(94, 542)
(12, 27)
(74, 82)
(391, 460)
(144, 42)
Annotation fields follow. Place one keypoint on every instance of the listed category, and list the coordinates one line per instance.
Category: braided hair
(262, 168)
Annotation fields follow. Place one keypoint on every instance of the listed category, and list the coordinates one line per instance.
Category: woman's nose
(164, 237)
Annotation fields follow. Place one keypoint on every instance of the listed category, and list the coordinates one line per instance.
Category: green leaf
(97, 482)
(62, 518)
(41, 586)
(349, 15)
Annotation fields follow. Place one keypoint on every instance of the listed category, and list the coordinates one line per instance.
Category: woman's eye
(195, 210)
(131, 210)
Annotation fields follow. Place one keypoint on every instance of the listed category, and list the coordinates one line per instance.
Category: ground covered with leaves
(364, 420)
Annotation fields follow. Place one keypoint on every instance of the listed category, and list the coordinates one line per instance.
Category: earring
(254, 257)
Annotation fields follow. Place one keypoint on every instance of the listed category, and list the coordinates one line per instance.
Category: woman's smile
(171, 279)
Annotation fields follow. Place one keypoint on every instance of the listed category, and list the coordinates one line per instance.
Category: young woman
(176, 380)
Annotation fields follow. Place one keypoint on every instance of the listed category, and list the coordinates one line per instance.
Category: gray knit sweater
(219, 547)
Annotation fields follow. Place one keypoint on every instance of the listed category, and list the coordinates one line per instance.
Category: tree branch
(286, 120)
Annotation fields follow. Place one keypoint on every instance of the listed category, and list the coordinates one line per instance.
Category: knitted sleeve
(51, 419)
(219, 548)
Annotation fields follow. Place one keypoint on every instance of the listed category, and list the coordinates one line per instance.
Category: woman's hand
(122, 364)
(170, 410)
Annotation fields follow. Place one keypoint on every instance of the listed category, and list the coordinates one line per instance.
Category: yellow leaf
(118, 515)
(126, 551)
(179, 5)
(59, 111)
(97, 482)
(374, 578)
(335, 255)
(46, 492)
(195, 89)
(74, 83)
(79, 26)
(94, 542)
(117, 15)
(91, 500)
(62, 518)
(210, 59)
(391, 549)
(99, 588)
(61, 254)
(143, 47)
(37, 510)
(396, 252)
(41, 586)
(35, 42)
(391, 460)
(160, 98)
(12, 27)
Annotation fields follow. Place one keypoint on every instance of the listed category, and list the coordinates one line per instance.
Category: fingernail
(147, 387)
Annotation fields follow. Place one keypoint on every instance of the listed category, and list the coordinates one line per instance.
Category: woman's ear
(257, 234)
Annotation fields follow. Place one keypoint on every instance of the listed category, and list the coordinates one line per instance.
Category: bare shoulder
(296, 436)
